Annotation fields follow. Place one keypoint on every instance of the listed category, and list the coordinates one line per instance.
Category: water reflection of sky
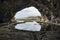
(30, 26)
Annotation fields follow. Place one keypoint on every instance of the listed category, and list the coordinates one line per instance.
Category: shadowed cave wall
(8, 8)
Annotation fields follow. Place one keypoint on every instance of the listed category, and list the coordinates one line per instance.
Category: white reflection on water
(29, 26)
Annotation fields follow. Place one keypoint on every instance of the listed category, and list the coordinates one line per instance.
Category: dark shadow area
(8, 8)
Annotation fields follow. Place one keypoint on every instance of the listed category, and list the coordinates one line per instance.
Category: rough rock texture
(8, 8)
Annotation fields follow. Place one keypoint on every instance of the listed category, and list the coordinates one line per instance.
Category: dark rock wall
(8, 8)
